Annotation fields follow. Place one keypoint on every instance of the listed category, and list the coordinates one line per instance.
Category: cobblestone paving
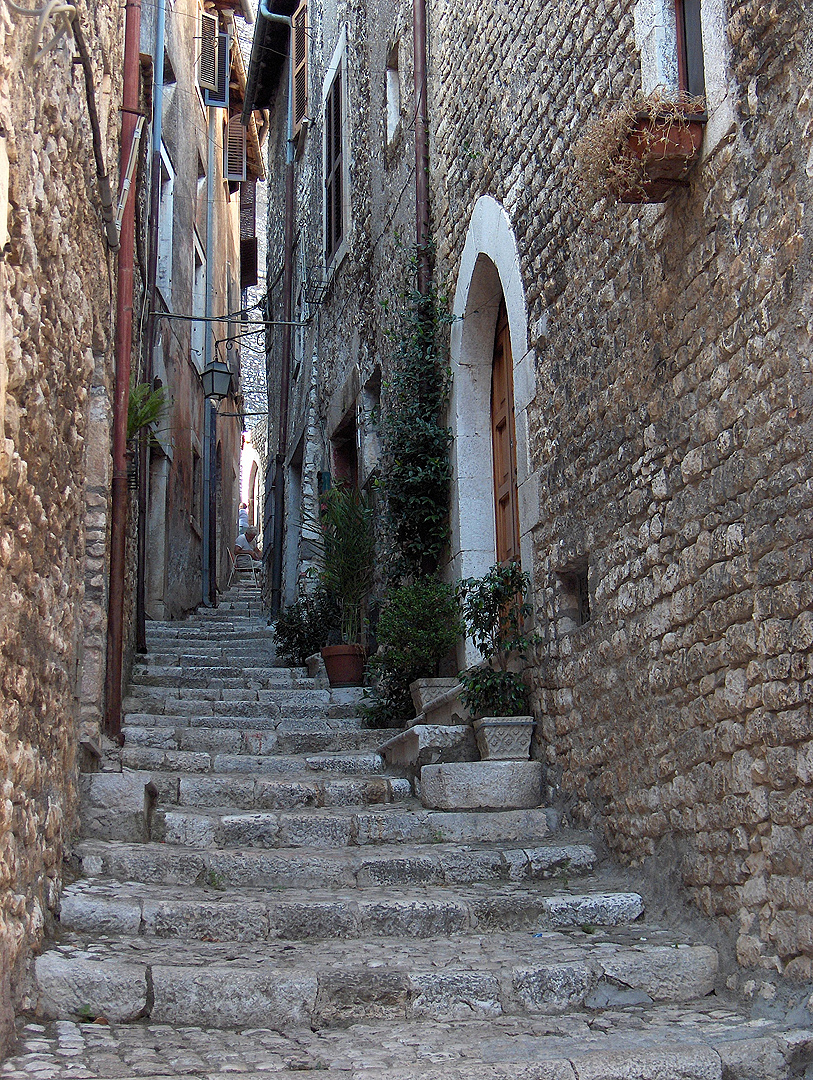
(503, 1047)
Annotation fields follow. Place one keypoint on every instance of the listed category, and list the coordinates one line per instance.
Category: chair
(243, 564)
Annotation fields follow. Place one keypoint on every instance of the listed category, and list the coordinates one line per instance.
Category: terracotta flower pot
(344, 664)
(666, 149)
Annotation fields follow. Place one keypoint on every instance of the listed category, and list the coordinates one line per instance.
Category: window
(299, 25)
(393, 93)
(234, 150)
(197, 343)
(219, 97)
(208, 61)
(334, 167)
(163, 275)
(197, 489)
(336, 154)
(684, 46)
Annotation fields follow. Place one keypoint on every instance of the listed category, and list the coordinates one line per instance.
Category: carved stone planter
(504, 738)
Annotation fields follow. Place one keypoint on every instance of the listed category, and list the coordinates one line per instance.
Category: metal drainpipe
(207, 582)
(287, 302)
(149, 368)
(421, 148)
(124, 340)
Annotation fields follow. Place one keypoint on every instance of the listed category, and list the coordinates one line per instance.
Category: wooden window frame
(691, 64)
(299, 44)
(334, 165)
(208, 50)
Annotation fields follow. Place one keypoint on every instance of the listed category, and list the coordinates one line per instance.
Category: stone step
(233, 638)
(246, 792)
(336, 982)
(251, 704)
(706, 1040)
(208, 914)
(182, 660)
(340, 827)
(284, 738)
(153, 671)
(249, 725)
(338, 867)
(293, 766)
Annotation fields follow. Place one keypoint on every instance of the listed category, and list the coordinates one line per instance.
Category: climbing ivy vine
(415, 468)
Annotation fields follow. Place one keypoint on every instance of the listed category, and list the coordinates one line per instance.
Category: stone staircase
(283, 902)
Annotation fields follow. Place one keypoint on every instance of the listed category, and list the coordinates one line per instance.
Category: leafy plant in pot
(494, 611)
(641, 149)
(348, 552)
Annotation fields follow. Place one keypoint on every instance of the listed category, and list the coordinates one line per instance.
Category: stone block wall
(670, 437)
(57, 295)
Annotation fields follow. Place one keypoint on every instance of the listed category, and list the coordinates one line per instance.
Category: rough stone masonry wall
(671, 431)
(58, 288)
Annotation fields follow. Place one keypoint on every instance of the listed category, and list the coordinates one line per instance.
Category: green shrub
(495, 610)
(418, 625)
(305, 626)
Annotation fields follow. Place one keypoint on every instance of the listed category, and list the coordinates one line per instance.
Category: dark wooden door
(503, 441)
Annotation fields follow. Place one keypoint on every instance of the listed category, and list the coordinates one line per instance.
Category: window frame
(334, 252)
(166, 228)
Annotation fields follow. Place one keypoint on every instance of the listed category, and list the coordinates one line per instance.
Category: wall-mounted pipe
(124, 341)
(421, 147)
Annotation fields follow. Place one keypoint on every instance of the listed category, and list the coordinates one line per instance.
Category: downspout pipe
(287, 307)
(421, 148)
(208, 584)
(150, 328)
(123, 345)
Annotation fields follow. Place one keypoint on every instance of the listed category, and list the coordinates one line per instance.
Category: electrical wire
(63, 15)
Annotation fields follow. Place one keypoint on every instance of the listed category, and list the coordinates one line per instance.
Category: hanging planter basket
(640, 151)
(663, 151)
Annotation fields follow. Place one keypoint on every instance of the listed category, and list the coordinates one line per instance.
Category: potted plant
(642, 149)
(418, 626)
(145, 407)
(348, 548)
(494, 611)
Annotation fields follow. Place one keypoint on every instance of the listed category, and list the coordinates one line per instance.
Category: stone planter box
(504, 738)
(425, 691)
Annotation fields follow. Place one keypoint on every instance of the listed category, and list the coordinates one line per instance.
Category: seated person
(245, 544)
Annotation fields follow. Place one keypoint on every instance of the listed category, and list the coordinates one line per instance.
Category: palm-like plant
(348, 549)
(145, 407)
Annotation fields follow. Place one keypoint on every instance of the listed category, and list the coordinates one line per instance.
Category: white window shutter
(234, 150)
(208, 55)
(219, 98)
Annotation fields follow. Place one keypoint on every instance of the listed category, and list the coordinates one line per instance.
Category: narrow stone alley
(281, 902)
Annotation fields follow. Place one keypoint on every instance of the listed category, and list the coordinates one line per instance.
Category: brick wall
(671, 436)
(57, 292)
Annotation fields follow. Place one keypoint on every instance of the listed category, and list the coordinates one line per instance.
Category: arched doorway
(495, 501)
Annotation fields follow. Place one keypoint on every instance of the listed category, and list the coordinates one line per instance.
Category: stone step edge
(256, 919)
(231, 995)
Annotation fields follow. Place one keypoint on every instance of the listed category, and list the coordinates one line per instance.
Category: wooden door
(503, 441)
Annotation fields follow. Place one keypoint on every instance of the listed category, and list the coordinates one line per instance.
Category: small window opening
(344, 444)
(691, 69)
(573, 598)
(393, 93)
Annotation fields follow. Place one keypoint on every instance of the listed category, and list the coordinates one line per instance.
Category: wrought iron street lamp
(216, 380)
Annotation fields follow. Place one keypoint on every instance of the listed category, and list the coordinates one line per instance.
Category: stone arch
(489, 271)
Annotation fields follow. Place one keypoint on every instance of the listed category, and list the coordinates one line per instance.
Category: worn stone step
(152, 670)
(707, 1040)
(208, 914)
(201, 761)
(341, 827)
(207, 791)
(337, 982)
(251, 704)
(280, 724)
(283, 738)
(214, 656)
(362, 867)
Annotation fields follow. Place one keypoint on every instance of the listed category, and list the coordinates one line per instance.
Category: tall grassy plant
(145, 407)
(348, 555)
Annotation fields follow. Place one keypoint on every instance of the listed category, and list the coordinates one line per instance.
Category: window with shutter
(300, 61)
(334, 167)
(208, 55)
(219, 98)
(234, 150)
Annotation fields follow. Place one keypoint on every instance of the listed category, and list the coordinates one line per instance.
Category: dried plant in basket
(641, 149)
